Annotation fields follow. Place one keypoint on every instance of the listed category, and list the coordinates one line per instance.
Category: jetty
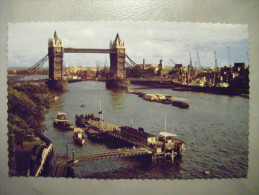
(138, 142)
(134, 138)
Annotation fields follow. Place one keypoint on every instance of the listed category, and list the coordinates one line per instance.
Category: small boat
(180, 104)
(166, 101)
(171, 143)
(164, 136)
(78, 136)
(56, 98)
(61, 115)
(62, 122)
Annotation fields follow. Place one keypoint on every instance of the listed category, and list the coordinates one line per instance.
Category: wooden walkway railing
(114, 153)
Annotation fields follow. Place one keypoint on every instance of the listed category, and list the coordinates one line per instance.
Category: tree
(27, 105)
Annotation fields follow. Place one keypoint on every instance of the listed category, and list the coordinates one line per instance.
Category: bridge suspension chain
(131, 61)
(33, 68)
(129, 65)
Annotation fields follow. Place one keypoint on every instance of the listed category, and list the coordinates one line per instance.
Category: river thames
(214, 129)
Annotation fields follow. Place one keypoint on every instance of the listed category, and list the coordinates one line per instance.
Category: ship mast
(165, 127)
(229, 58)
(101, 114)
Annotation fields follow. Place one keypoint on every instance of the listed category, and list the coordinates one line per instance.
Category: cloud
(27, 42)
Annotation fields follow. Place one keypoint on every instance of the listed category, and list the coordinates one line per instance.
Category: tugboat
(180, 104)
(61, 122)
(171, 144)
(78, 136)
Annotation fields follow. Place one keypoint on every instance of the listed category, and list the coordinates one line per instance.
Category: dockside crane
(216, 61)
(195, 64)
(172, 61)
(216, 70)
(229, 57)
(198, 58)
(190, 59)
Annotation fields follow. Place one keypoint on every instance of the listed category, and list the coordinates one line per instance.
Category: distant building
(178, 66)
(75, 70)
(239, 66)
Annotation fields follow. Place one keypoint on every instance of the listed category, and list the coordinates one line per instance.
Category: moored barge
(160, 98)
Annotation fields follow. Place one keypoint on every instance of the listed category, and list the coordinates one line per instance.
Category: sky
(152, 41)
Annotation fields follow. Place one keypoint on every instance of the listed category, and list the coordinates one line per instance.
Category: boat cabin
(62, 115)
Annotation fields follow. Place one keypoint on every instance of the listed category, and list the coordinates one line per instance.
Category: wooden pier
(104, 126)
(143, 144)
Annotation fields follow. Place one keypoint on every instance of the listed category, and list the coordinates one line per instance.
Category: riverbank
(169, 84)
(29, 150)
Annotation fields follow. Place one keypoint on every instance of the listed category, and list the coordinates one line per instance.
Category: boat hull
(64, 128)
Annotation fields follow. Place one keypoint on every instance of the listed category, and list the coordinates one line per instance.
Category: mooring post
(73, 156)
(67, 153)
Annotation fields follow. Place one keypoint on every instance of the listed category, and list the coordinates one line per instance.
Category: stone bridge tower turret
(117, 59)
(55, 52)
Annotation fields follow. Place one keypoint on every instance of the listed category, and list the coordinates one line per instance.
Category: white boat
(61, 115)
(62, 122)
(78, 136)
(167, 137)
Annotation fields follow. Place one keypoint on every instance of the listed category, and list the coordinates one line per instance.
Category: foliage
(27, 105)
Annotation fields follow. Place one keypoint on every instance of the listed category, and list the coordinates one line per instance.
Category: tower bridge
(117, 76)
(119, 60)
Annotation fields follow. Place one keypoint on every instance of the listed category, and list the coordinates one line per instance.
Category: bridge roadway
(81, 50)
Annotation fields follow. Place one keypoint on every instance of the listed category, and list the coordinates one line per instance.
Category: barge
(160, 98)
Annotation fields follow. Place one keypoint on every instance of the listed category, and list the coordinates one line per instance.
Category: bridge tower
(55, 52)
(117, 59)
(117, 78)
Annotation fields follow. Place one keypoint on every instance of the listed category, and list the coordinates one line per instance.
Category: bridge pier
(117, 83)
(117, 78)
(57, 85)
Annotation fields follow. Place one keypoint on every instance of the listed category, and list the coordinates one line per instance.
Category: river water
(214, 129)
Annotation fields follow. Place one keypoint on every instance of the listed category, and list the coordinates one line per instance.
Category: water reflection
(117, 96)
